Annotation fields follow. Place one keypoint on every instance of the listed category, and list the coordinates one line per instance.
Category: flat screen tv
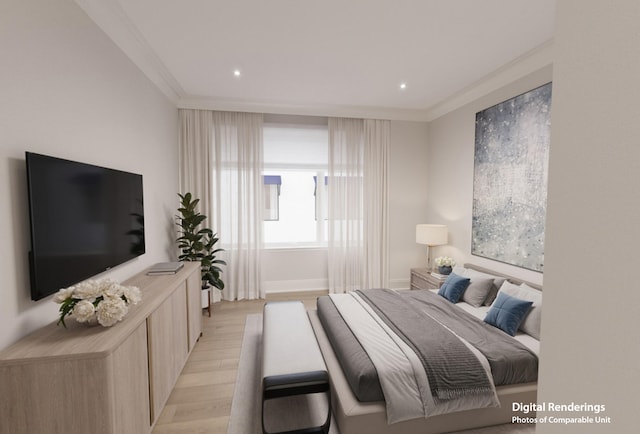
(84, 219)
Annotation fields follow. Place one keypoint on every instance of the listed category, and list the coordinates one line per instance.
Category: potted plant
(197, 243)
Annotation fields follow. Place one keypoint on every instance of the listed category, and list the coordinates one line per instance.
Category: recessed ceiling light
(236, 72)
(403, 86)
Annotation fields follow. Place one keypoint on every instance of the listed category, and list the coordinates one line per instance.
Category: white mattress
(480, 312)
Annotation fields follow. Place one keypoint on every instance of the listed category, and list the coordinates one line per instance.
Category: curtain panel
(358, 204)
(221, 162)
(376, 203)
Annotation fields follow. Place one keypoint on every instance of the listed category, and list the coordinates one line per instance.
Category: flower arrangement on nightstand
(445, 264)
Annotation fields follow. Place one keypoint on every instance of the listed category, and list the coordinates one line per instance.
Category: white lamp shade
(431, 235)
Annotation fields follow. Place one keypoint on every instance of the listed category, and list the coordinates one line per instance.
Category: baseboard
(280, 286)
(399, 284)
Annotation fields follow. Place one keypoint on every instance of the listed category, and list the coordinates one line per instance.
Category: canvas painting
(510, 179)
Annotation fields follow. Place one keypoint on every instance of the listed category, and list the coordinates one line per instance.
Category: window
(295, 156)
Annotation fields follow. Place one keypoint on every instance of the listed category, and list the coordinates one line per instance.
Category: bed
(359, 404)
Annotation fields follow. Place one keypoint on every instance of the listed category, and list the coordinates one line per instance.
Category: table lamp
(431, 235)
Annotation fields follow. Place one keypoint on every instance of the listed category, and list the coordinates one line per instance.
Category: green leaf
(197, 243)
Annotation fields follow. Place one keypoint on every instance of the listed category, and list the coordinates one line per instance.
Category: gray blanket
(354, 360)
(452, 369)
(510, 361)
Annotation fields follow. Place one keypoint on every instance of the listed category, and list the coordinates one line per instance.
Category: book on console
(165, 268)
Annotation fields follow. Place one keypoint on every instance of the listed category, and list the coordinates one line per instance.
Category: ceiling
(322, 57)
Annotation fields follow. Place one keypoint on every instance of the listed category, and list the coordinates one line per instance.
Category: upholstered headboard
(511, 279)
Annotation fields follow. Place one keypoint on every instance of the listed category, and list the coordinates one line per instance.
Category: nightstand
(421, 278)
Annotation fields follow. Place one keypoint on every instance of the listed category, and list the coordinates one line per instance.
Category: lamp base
(429, 263)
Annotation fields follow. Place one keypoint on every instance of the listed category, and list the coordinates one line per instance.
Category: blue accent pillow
(507, 313)
(453, 288)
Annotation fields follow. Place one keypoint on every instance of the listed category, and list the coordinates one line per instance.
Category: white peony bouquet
(103, 301)
(444, 261)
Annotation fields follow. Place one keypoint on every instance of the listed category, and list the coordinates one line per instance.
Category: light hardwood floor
(201, 399)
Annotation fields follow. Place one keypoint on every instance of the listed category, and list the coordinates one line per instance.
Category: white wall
(450, 173)
(68, 91)
(306, 269)
(591, 318)
(294, 270)
(407, 199)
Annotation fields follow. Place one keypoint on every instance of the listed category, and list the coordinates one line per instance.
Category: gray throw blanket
(510, 361)
(452, 369)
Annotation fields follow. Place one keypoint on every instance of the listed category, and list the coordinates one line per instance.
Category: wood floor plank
(201, 401)
(219, 376)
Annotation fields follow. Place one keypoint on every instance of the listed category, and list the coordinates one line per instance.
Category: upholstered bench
(292, 363)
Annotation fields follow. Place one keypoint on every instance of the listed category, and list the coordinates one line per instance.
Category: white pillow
(531, 322)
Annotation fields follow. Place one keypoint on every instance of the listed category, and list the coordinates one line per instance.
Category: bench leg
(323, 429)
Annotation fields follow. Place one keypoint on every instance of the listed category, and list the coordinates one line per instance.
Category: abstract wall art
(510, 179)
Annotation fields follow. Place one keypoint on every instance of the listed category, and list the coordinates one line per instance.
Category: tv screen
(84, 219)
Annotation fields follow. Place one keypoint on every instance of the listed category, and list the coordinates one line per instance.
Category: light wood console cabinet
(104, 380)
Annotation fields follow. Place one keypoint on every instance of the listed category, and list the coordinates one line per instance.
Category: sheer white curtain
(221, 162)
(195, 153)
(376, 203)
(358, 204)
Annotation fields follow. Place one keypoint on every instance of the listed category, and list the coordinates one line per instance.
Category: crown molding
(398, 114)
(111, 18)
(529, 62)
